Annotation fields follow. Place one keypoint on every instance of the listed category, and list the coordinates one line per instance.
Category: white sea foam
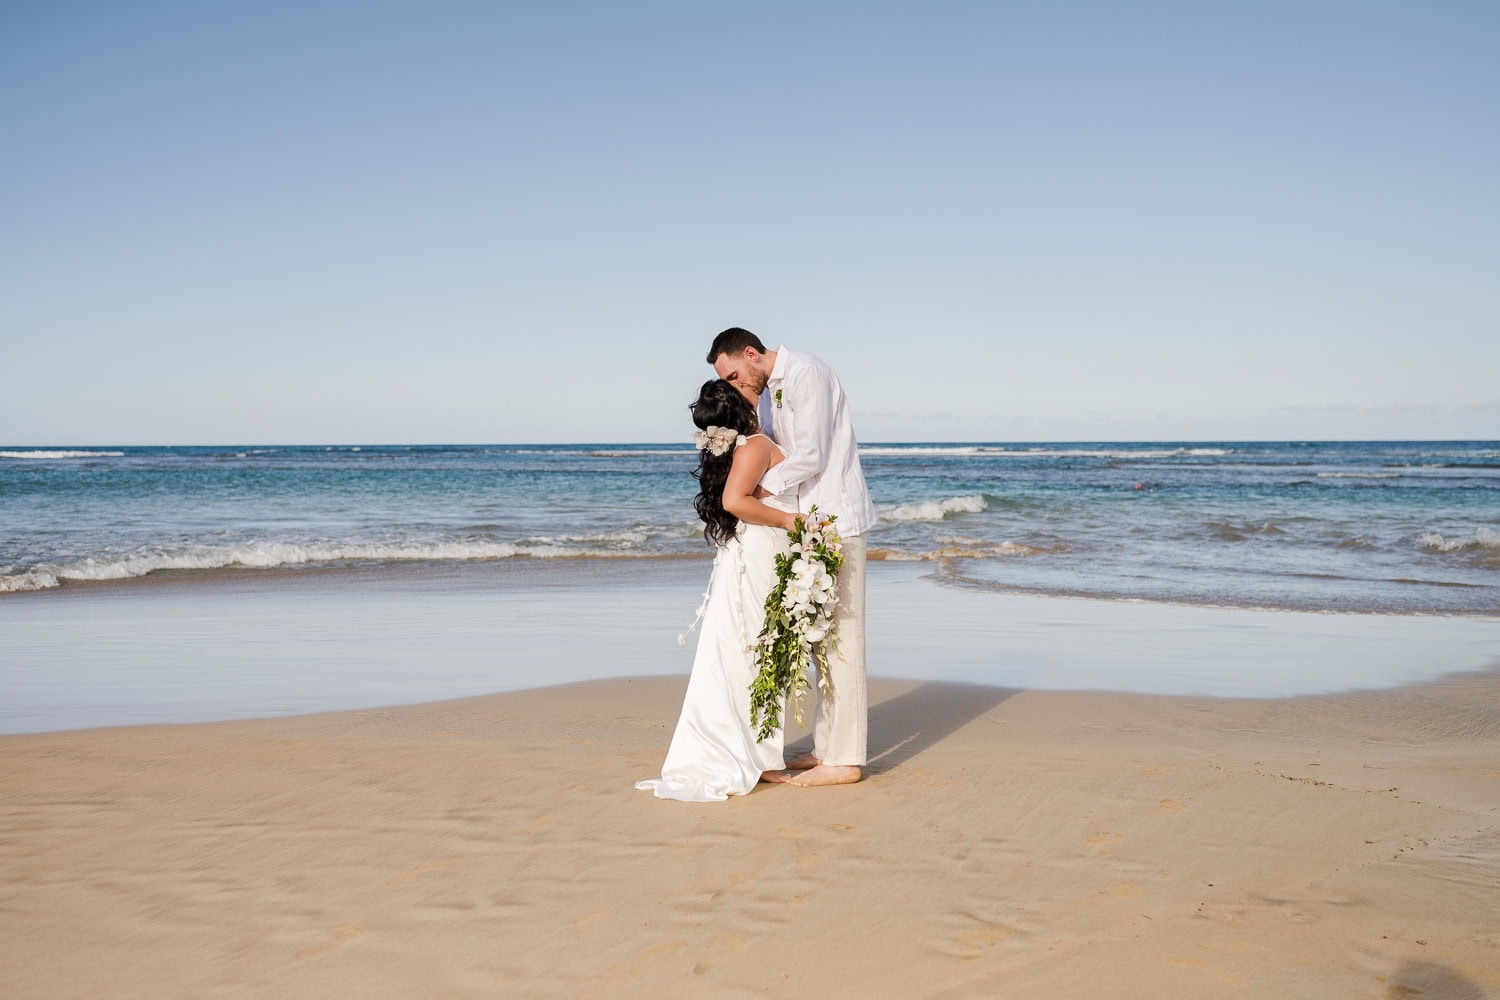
(991, 451)
(33, 580)
(630, 537)
(932, 510)
(686, 449)
(1359, 475)
(40, 455)
(271, 555)
(969, 549)
(947, 538)
(1484, 538)
(605, 453)
(886, 449)
(985, 551)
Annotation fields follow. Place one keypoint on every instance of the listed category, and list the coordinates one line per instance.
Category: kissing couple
(775, 440)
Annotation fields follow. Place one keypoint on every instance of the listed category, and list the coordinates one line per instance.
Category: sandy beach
(1005, 844)
(376, 388)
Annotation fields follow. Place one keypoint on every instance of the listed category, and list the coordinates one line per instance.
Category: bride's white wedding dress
(714, 753)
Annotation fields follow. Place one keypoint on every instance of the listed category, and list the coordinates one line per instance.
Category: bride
(714, 753)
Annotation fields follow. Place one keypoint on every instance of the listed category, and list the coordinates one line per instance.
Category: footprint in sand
(1120, 890)
(985, 937)
(736, 881)
(1168, 805)
(1099, 843)
(340, 935)
(729, 943)
(580, 924)
(643, 959)
(539, 824)
(975, 942)
(807, 858)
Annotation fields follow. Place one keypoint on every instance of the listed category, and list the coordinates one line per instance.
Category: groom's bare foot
(826, 774)
(806, 762)
(775, 777)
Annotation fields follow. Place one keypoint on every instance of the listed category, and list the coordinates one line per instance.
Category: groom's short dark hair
(734, 341)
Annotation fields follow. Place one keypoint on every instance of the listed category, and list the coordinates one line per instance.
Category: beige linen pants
(841, 720)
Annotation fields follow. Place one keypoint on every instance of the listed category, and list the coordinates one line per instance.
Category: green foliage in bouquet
(799, 621)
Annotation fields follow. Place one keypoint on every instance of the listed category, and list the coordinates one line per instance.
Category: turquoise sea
(1392, 527)
(191, 584)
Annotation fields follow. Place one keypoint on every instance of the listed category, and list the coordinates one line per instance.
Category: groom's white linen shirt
(813, 427)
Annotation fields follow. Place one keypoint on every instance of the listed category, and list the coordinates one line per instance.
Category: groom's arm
(748, 465)
(812, 399)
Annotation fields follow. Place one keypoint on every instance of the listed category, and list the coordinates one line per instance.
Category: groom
(803, 409)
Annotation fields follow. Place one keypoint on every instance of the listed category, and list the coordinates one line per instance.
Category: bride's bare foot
(825, 774)
(775, 777)
(806, 762)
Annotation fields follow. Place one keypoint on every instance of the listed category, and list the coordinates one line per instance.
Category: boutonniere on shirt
(778, 399)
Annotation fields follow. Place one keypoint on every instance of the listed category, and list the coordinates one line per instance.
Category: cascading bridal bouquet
(799, 621)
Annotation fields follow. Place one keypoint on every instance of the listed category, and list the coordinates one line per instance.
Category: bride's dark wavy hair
(719, 404)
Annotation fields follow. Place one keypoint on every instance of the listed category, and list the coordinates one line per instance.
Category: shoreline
(256, 646)
(1041, 844)
(943, 571)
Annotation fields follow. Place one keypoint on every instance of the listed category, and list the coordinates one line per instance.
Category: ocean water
(1389, 527)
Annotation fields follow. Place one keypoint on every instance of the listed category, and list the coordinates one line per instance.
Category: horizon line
(870, 443)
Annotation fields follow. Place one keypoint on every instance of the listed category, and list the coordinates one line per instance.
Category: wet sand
(196, 647)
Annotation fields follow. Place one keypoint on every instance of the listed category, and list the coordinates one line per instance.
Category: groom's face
(746, 372)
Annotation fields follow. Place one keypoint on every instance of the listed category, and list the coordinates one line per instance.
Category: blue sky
(462, 222)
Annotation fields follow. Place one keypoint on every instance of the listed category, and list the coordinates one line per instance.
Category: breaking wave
(274, 555)
(52, 455)
(1485, 540)
(932, 510)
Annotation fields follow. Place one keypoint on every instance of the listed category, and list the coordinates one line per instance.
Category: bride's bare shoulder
(764, 446)
(754, 445)
(758, 451)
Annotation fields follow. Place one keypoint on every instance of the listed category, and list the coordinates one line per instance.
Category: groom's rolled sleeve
(811, 400)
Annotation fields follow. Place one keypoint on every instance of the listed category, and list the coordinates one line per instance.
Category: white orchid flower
(716, 439)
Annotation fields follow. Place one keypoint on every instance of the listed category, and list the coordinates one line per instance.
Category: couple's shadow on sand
(904, 726)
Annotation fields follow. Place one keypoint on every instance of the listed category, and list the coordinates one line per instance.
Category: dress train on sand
(714, 753)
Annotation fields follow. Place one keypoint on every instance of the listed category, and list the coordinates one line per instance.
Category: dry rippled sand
(1016, 845)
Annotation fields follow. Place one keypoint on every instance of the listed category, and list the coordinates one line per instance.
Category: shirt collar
(778, 370)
